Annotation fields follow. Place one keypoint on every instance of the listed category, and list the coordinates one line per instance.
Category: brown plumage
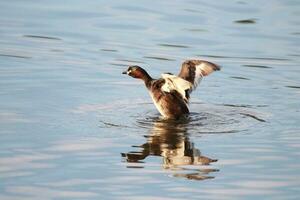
(171, 93)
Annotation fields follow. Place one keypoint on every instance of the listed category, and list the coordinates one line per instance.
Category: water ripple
(173, 45)
(208, 118)
(159, 58)
(246, 21)
(42, 37)
(15, 56)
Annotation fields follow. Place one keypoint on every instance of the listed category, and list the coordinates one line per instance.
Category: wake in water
(211, 118)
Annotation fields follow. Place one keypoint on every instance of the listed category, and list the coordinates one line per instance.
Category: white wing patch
(176, 83)
(198, 75)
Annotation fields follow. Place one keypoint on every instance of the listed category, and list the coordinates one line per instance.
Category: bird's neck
(147, 80)
(142, 74)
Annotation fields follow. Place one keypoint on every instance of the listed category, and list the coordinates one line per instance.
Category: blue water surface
(73, 127)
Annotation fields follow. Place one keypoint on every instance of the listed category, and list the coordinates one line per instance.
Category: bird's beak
(125, 72)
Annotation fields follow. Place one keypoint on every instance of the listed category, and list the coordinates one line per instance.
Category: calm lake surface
(73, 127)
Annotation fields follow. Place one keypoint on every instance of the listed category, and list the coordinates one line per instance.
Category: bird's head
(135, 72)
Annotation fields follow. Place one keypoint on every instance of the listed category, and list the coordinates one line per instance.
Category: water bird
(171, 93)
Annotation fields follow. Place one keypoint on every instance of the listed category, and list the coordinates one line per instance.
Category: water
(73, 127)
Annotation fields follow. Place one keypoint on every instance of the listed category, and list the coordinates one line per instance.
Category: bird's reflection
(169, 139)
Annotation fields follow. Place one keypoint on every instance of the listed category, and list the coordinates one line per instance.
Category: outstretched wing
(194, 70)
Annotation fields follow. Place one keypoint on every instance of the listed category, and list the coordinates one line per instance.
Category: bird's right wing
(194, 70)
